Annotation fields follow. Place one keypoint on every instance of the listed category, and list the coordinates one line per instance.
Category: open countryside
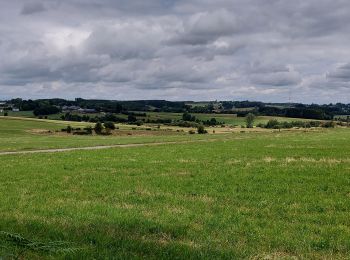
(174, 130)
(158, 188)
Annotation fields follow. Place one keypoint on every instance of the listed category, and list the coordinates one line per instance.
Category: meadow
(231, 119)
(226, 118)
(243, 195)
(18, 134)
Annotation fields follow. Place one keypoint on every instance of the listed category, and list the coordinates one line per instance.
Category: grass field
(227, 118)
(230, 119)
(269, 195)
(17, 134)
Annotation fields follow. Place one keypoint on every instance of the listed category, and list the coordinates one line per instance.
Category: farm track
(100, 147)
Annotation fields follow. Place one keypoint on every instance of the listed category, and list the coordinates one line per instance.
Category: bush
(88, 130)
(191, 132)
(201, 130)
(330, 124)
(98, 128)
(250, 120)
(6, 114)
(69, 129)
(109, 125)
(139, 123)
(272, 123)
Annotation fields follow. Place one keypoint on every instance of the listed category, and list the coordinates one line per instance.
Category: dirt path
(100, 147)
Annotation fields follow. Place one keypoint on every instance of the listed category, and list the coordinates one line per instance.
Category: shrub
(201, 130)
(272, 123)
(6, 114)
(250, 120)
(109, 125)
(139, 123)
(88, 130)
(191, 132)
(330, 124)
(98, 128)
(69, 129)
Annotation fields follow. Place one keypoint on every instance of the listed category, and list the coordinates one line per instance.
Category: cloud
(32, 8)
(203, 28)
(125, 40)
(176, 49)
(273, 75)
(341, 74)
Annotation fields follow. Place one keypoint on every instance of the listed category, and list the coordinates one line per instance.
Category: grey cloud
(31, 8)
(273, 75)
(156, 48)
(340, 74)
(277, 79)
(124, 40)
(203, 28)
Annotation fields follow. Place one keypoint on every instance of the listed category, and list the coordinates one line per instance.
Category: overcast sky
(268, 50)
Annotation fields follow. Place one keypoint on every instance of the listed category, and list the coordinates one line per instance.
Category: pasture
(230, 119)
(241, 195)
(29, 134)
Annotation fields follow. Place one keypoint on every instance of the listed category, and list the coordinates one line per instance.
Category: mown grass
(257, 195)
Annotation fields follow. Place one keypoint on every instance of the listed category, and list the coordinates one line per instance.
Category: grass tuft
(22, 244)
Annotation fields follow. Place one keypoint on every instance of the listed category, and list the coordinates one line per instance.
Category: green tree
(98, 128)
(249, 119)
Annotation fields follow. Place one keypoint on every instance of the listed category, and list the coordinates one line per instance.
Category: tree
(188, 117)
(109, 125)
(132, 118)
(46, 110)
(213, 121)
(69, 129)
(98, 128)
(201, 130)
(250, 120)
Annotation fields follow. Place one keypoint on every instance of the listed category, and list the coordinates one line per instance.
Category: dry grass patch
(187, 161)
(233, 161)
(269, 159)
(275, 256)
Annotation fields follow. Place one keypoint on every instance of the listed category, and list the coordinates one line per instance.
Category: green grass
(227, 118)
(16, 135)
(254, 196)
(21, 114)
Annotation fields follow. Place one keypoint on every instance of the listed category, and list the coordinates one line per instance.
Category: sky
(266, 50)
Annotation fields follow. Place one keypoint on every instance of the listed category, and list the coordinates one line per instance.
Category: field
(230, 119)
(226, 118)
(26, 134)
(240, 195)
